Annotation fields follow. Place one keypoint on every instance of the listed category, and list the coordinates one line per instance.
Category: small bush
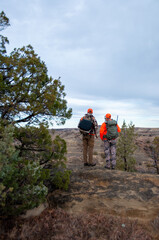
(21, 181)
(126, 147)
(36, 143)
(61, 178)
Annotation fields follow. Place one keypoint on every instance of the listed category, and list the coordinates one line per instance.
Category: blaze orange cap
(90, 110)
(108, 115)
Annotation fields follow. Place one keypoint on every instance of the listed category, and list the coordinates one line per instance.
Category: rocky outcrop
(143, 153)
(100, 203)
(95, 189)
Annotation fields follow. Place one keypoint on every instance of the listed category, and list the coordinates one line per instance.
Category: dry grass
(56, 224)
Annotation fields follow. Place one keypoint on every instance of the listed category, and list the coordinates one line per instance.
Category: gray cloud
(104, 51)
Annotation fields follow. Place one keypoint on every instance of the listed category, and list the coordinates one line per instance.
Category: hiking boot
(92, 164)
(86, 164)
(107, 167)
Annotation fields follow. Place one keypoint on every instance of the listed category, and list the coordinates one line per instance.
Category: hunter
(108, 134)
(88, 128)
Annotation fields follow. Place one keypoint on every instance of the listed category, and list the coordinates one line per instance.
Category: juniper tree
(29, 96)
(36, 143)
(155, 149)
(126, 147)
(27, 93)
(21, 181)
(4, 23)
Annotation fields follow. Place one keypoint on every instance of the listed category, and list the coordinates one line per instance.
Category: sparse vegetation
(149, 165)
(126, 147)
(155, 151)
(56, 224)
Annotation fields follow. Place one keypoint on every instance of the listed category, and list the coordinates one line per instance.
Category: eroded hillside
(143, 154)
(114, 192)
(100, 204)
(97, 190)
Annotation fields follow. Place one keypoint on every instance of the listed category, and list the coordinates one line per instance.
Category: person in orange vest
(108, 134)
(88, 127)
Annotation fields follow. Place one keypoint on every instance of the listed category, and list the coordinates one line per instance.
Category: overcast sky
(106, 53)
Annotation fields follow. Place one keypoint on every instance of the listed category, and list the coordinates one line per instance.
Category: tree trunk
(125, 163)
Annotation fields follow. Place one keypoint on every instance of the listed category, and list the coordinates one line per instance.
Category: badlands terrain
(99, 204)
(96, 189)
(143, 154)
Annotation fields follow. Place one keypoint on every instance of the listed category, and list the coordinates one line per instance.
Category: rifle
(94, 128)
(117, 119)
(95, 132)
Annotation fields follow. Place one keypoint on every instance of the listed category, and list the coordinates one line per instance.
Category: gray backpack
(112, 132)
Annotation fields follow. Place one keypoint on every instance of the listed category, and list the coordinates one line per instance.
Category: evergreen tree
(36, 143)
(4, 23)
(21, 181)
(155, 149)
(28, 95)
(126, 147)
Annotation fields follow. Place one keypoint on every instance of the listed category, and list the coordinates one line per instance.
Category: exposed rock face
(143, 154)
(95, 192)
(95, 189)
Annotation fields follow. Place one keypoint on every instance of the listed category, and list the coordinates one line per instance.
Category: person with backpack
(88, 128)
(108, 133)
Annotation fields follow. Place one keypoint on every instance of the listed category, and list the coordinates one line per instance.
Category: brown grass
(56, 224)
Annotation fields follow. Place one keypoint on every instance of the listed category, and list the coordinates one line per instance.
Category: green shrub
(36, 143)
(61, 178)
(126, 147)
(21, 181)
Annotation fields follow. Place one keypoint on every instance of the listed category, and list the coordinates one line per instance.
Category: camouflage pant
(110, 152)
(88, 145)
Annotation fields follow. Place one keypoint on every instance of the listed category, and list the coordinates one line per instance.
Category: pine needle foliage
(4, 23)
(126, 147)
(34, 143)
(155, 149)
(61, 176)
(30, 98)
(27, 94)
(21, 181)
